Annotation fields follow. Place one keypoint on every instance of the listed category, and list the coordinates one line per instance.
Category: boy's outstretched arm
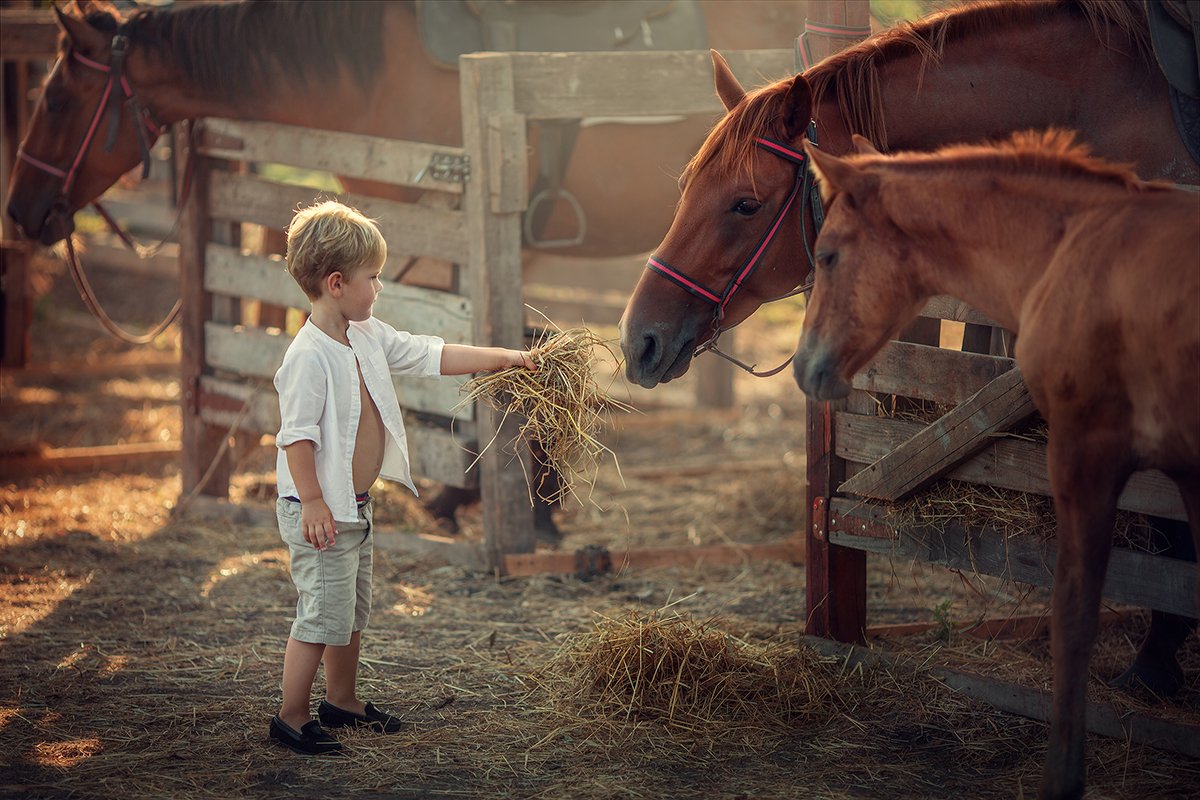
(316, 520)
(463, 359)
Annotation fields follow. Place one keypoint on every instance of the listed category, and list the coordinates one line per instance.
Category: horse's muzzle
(816, 372)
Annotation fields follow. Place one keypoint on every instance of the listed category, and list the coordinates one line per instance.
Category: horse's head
(714, 267)
(867, 286)
(87, 130)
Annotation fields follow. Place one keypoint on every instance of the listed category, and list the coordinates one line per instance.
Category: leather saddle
(1175, 34)
(450, 28)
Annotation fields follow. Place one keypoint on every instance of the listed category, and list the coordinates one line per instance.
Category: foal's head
(868, 284)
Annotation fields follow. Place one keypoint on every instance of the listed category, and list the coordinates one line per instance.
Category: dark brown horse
(352, 66)
(348, 66)
(1082, 260)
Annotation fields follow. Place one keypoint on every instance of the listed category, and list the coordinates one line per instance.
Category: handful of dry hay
(689, 677)
(563, 406)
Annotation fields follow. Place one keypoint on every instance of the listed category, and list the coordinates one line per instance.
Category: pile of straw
(563, 407)
(690, 679)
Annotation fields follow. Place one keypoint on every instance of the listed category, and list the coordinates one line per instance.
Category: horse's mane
(853, 74)
(1051, 153)
(242, 50)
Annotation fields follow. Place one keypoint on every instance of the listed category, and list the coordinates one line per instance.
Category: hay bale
(691, 679)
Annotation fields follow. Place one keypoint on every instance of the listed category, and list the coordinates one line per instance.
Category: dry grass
(562, 406)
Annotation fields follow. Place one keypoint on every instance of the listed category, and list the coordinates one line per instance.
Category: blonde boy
(341, 429)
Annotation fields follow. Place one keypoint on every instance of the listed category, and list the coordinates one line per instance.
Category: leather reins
(810, 199)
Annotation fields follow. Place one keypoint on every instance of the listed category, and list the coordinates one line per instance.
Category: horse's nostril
(650, 350)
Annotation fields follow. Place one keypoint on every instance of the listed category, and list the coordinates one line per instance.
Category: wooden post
(836, 576)
(201, 442)
(495, 196)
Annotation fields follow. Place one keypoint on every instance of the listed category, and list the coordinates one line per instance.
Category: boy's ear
(333, 283)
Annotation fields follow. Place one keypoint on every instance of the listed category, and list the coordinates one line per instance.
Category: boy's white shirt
(319, 400)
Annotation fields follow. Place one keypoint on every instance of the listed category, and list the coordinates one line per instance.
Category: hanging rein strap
(803, 187)
(112, 101)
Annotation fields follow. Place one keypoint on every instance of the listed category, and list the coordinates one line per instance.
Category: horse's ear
(81, 34)
(797, 107)
(863, 146)
(728, 88)
(837, 175)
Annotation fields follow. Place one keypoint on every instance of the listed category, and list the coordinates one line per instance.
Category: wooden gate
(229, 363)
(858, 461)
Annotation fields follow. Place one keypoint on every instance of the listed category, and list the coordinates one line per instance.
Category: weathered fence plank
(409, 228)
(1008, 463)
(929, 373)
(348, 154)
(941, 446)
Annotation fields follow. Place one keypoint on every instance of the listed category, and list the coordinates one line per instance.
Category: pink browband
(721, 301)
(69, 175)
(802, 187)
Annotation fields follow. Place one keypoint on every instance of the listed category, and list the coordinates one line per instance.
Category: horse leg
(445, 504)
(546, 484)
(1087, 476)
(1155, 667)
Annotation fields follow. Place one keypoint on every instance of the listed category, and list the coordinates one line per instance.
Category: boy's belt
(360, 499)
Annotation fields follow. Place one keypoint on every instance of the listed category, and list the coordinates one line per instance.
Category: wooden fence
(228, 364)
(858, 459)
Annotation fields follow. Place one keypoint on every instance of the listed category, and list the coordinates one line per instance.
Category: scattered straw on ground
(563, 406)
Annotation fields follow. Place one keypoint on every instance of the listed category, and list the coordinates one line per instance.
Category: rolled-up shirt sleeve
(301, 384)
(409, 353)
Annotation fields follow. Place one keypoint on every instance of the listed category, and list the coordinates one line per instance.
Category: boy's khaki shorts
(334, 584)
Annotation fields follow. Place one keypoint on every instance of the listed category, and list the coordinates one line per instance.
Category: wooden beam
(1007, 463)
(691, 556)
(936, 449)
(493, 278)
(351, 154)
(1023, 627)
(28, 34)
(1133, 578)
(411, 229)
(929, 373)
(466, 554)
(86, 459)
(577, 85)
(1104, 720)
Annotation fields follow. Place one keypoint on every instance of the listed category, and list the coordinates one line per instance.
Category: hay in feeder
(1014, 513)
(563, 406)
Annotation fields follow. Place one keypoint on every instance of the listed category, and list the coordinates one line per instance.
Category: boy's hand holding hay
(563, 406)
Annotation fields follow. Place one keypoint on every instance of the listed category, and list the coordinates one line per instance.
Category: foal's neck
(1004, 230)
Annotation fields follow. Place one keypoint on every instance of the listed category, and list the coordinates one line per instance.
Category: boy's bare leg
(300, 662)
(341, 675)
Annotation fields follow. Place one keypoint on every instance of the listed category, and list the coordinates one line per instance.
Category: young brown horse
(1084, 262)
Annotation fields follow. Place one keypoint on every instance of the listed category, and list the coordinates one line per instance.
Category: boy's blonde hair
(331, 237)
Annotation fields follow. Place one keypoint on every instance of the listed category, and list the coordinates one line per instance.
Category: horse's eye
(827, 258)
(747, 207)
(55, 102)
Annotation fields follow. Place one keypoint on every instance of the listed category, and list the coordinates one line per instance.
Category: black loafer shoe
(372, 717)
(311, 739)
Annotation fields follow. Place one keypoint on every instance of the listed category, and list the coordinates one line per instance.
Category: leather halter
(804, 188)
(109, 100)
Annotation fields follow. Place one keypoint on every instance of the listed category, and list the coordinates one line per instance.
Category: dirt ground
(140, 653)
